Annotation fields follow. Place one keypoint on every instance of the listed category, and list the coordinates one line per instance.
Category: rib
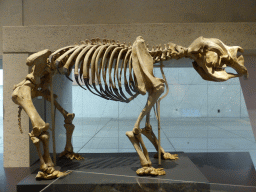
(127, 58)
(104, 68)
(93, 63)
(68, 65)
(58, 51)
(79, 57)
(86, 69)
(95, 59)
(87, 63)
(98, 71)
(60, 59)
(111, 60)
(116, 73)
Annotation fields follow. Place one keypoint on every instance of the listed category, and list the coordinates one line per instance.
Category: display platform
(116, 172)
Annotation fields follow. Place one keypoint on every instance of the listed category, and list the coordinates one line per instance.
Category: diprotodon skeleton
(117, 72)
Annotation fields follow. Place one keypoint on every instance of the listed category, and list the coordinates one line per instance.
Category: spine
(170, 51)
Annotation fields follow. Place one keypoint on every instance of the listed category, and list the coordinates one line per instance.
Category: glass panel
(196, 116)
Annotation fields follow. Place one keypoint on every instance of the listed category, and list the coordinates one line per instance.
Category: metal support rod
(53, 123)
(159, 128)
(158, 112)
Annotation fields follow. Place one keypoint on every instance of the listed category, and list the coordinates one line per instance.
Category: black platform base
(116, 172)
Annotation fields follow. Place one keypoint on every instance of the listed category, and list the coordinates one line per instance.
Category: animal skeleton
(93, 61)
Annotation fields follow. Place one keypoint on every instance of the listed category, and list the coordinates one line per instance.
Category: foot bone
(51, 173)
(167, 156)
(71, 155)
(150, 171)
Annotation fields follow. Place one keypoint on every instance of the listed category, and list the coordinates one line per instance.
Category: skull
(211, 56)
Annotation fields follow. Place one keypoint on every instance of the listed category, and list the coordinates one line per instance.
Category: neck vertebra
(170, 51)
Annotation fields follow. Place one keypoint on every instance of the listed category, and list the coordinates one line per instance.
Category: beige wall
(15, 143)
(35, 38)
(78, 12)
(10, 15)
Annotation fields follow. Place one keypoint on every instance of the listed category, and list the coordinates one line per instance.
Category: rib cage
(101, 66)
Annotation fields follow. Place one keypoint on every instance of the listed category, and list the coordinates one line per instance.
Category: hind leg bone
(46, 164)
(22, 97)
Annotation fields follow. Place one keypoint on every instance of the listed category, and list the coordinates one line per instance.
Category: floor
(193, 135)
(222, 171)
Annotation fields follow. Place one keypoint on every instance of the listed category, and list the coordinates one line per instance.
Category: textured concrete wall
(31, 38)
(78, 12)
(10, 15)
(16, 145)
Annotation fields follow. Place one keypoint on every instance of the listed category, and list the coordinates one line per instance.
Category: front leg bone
(145, 151)
(151, 136)
(135, 135)
(147, 168)
(136, 144)
(148, 132)
(68, 152)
